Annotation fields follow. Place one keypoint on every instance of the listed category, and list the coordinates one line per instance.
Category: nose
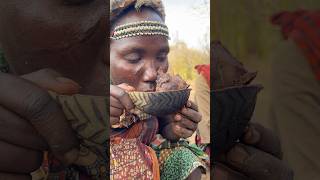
(150, 73)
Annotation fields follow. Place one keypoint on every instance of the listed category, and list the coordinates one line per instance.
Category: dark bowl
(160, 103)
(232, 109)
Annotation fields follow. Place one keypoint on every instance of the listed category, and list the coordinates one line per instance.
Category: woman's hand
(26, 111)
(181, 124)
(119, 101)
(257, 157)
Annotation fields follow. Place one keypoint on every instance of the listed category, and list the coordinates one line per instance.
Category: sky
(186, 23)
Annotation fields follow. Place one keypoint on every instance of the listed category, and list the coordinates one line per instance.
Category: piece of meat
(227, 70)
(167, 82)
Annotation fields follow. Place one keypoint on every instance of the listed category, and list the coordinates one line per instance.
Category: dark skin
(134, 63)
(257, 157)
(58, 34)
(67, 36)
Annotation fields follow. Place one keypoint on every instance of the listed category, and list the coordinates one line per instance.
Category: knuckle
(35, 104)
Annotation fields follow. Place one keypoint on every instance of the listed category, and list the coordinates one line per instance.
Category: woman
(135, 60)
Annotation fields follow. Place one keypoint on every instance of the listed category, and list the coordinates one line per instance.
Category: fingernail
(237, 155)
(67, 81)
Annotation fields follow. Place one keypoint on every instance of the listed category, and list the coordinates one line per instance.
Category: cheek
(122, 72)
(164, 66)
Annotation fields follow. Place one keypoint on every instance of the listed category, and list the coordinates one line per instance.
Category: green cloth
(180, 164)
(178, 159)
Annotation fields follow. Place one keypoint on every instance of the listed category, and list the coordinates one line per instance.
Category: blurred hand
(26, 111)
(256, 157)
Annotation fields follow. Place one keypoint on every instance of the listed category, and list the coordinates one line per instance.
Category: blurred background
(289, 104)
(244, 28)
(189, 26)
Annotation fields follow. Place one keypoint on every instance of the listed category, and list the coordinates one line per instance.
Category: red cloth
(204, 70)
(304, 28)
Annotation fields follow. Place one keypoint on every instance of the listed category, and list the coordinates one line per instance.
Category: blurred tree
(182, 60)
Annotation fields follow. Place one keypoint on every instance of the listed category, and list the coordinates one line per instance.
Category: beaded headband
(140, 28)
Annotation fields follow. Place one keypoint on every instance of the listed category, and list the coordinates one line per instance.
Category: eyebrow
(133, 49)
(165, 49)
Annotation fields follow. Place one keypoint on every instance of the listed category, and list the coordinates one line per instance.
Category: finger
(116, 103)
(188, 124)
(53, 81)
(191, 114)
(182, 132)
(122, 96)
(192, 105)
(115, 112)
(15, 159)
(257, 164)
(18, 131)
(126, 87)
(262, 138)
(221, 172)
(114, 120)
(14, 176)
(46, 116)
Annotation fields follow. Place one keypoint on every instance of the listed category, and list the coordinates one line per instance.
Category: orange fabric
(204, 70)
(155, 164)
(303, 27)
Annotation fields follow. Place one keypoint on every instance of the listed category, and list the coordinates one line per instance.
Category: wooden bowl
(231, 110)
(160, 103)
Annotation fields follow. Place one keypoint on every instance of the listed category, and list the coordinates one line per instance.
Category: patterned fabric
(179, 164)
(179, 159)
(88, 117)
(131, 159)
(130, 156)
(303, 27)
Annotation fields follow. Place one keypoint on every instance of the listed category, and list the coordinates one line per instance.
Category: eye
(133, 58)
(77, 2)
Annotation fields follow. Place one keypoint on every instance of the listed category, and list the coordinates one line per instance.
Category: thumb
(257, 164)
(53, 81)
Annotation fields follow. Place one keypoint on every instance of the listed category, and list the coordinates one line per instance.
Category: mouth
(147, 88)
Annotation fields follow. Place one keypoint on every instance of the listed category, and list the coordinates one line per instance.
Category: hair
(119, 8)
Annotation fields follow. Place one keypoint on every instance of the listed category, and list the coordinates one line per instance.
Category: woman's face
(136, 60)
